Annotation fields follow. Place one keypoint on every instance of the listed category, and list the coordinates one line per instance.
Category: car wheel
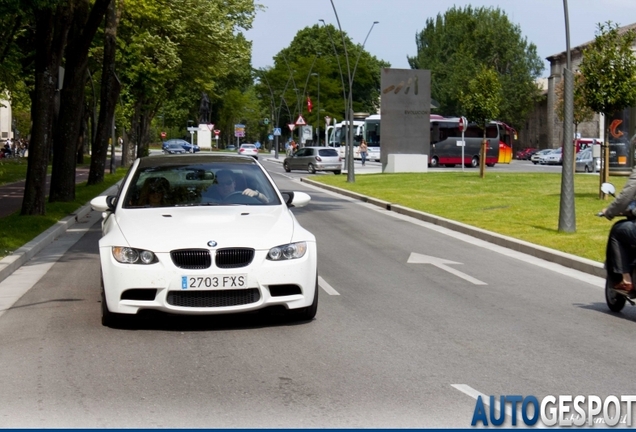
(308, 313)
(615, 302)
(434, 162)
(286, 167)
(338, 172)
(474, 162)
(110, 319)
(311, 168)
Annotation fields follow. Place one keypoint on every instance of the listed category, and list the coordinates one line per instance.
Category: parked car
(231, 147)
(173, 148)
(314, 159)
(248, 150)
(555, 157)
(210, 258)
(526, 153)
(586, 163)
(536, 158)
(183, 143)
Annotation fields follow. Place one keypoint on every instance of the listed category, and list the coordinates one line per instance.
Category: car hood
(165, 229)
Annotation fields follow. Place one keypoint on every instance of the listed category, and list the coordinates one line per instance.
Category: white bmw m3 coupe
(204, 234)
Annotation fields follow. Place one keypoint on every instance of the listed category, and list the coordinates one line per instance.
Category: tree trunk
(109, 95)
(51, 29)
(85, 26)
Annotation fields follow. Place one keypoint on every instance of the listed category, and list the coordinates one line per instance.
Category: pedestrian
(363, 151)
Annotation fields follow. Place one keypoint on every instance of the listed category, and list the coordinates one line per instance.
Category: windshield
(212, 183)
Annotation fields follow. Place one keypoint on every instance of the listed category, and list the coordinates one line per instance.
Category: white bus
(338, 137)
(372, 137)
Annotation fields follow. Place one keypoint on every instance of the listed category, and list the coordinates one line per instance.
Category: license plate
(236, 281)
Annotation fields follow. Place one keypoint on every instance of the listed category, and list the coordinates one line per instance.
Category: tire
(311, 168)
(308, 313)
(338, 172)
(434, 162)
(286, 167)
(110, 319)
(474, 162)
(615, 302)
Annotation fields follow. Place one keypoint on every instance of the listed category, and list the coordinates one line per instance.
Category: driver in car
(226, 186)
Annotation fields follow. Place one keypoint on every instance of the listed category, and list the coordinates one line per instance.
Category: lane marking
(416, 258)
(326, 287)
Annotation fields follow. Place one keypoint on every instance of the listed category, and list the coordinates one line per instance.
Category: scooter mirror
(608, 188)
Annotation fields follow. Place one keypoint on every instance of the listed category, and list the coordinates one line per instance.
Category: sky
(541, 22)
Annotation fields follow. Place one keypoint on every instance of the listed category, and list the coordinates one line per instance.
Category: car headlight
(127, 255)
(287, 252)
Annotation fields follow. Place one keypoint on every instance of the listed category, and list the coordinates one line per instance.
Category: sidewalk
(11, 201)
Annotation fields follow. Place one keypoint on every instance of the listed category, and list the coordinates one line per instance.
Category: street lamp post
(317, 75)
(349, 113)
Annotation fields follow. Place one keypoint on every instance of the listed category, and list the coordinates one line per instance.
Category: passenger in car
(154, 192)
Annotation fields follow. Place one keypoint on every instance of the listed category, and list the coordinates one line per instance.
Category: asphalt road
(414, 321)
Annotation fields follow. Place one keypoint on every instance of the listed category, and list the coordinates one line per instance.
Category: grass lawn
(13, 170)
(16, 230)
(520, 205)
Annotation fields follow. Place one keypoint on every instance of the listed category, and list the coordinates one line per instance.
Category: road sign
(462, 124)
(192, 129)
(300, 121)
(210, 126)
(217, 132)
(163, 134)
(270, 137)
(291, 126)
(276, 131)
(239, 130)
(266, 121)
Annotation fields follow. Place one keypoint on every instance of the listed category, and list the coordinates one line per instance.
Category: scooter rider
(621, 245)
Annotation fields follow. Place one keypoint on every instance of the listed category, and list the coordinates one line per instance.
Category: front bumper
(129, 288)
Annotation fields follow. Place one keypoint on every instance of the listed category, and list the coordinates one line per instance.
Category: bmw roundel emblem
(212, 243)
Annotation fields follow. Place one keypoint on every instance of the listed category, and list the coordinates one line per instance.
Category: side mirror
(295, 199)
(104, 203)
(608, 188)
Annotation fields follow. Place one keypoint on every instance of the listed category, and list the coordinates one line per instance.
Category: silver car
(248, 150)
(586, 163)
(536, 158)
(314, 159)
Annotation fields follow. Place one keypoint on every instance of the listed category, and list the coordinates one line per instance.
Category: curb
(18, 258)
(567, 260)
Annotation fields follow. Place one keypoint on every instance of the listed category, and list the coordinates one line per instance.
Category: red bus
(507, 137)
(446, 151)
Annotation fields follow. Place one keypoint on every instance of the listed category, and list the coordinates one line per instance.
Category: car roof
(189, 158)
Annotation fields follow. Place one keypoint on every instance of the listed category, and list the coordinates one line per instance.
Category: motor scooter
(616, 299)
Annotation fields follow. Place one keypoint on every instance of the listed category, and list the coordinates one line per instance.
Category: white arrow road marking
(325, 286)
(468, 390)
(416, 258)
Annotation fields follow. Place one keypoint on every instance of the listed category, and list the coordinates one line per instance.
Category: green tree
(609, 68)
(318, 49)
(481, 102)
(454, 47)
